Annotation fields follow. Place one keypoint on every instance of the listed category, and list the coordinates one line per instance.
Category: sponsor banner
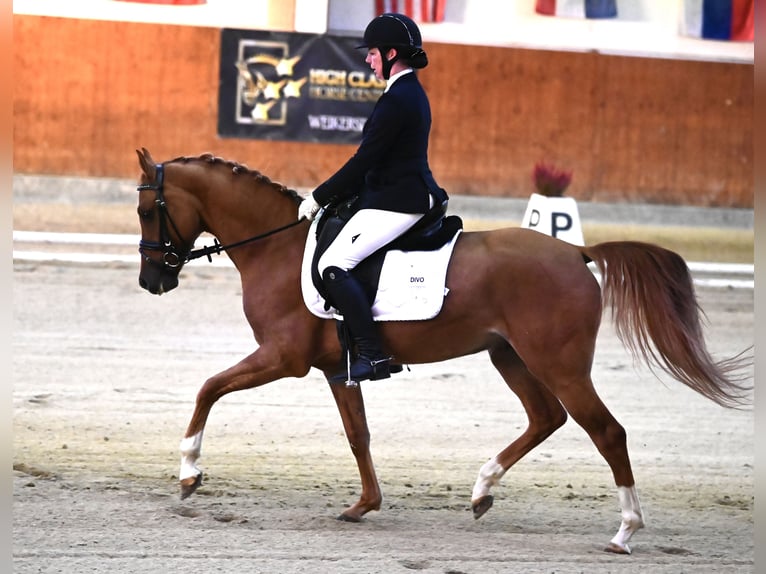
(295, 87)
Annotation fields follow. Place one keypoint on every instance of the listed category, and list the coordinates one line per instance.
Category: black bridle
(173, 257)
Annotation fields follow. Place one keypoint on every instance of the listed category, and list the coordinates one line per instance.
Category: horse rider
(389, 174)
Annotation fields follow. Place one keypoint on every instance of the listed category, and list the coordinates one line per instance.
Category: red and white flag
(577, 8)
(173, 2)
(418, 10)
(720, 19)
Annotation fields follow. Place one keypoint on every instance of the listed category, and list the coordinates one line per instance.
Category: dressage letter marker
(554, 216)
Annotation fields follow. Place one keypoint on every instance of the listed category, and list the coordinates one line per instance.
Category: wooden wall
(87, 93)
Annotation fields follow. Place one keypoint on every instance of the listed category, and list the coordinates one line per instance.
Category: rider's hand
(308, 208)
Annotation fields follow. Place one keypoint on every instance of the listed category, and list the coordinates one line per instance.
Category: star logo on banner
(260, 112)
(273, 89)
(293, 88)
(252, 83)
(285, 66)
(265, 76)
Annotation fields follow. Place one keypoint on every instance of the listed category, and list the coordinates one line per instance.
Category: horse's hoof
(482, 505)
(617, 549)
(347, 518)
(189, 485)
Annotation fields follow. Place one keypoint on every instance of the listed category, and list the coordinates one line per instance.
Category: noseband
(172, 257)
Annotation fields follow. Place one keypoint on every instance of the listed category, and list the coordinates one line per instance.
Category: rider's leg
(366, 232)
(349, 297)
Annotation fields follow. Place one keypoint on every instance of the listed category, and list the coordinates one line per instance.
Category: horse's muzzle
(157, 282)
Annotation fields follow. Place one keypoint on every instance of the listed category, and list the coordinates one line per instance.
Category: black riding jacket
(390, 168)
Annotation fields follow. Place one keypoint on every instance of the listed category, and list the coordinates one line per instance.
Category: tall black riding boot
(349, 298)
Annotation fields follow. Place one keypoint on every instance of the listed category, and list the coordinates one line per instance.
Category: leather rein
(172, 257)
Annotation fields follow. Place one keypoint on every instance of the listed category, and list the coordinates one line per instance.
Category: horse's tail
(657, 317)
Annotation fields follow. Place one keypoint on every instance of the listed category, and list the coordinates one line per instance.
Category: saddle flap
(401, 285)
(431, 232)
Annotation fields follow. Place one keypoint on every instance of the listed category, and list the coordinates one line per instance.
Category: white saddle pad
(412, 283)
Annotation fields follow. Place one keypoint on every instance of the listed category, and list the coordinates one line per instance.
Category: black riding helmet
(392, 30)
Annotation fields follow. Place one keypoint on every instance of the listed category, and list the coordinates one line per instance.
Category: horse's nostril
(142, 283)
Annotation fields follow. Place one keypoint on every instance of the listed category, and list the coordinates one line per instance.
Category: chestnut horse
(528, 299)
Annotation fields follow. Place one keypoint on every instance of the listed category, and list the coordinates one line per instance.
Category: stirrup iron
(349, 382)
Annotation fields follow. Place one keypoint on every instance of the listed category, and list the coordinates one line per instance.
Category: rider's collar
(395, 77)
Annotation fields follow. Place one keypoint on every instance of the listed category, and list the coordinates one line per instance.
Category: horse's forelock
(240, 169)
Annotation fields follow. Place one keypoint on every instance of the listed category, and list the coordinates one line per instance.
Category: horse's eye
(145, 214)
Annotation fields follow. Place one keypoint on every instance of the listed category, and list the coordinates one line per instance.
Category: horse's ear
(147, 163)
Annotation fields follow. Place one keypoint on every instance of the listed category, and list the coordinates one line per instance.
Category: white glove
(308, 208)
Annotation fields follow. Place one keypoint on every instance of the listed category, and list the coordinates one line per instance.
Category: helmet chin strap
(387, 64)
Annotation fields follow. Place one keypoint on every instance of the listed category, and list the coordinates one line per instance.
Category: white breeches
(367, 231)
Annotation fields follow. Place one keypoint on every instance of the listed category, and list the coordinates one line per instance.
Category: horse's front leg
(351, 408)
(259, 368)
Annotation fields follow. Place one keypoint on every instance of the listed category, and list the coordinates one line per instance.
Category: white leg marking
(489, 475)
(632, 519)
(191, 448)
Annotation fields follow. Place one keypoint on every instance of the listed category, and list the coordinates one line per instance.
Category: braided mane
(240, 169)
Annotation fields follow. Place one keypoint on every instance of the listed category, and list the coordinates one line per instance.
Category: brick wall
(87, 93)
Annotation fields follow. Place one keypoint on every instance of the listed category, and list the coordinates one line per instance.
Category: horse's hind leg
(544, 413)
(584, 405)
(351, 408)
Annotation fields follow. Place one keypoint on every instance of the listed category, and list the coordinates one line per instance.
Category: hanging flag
(418, 10)
(173, 2)
(719, 19)
(577, 8)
